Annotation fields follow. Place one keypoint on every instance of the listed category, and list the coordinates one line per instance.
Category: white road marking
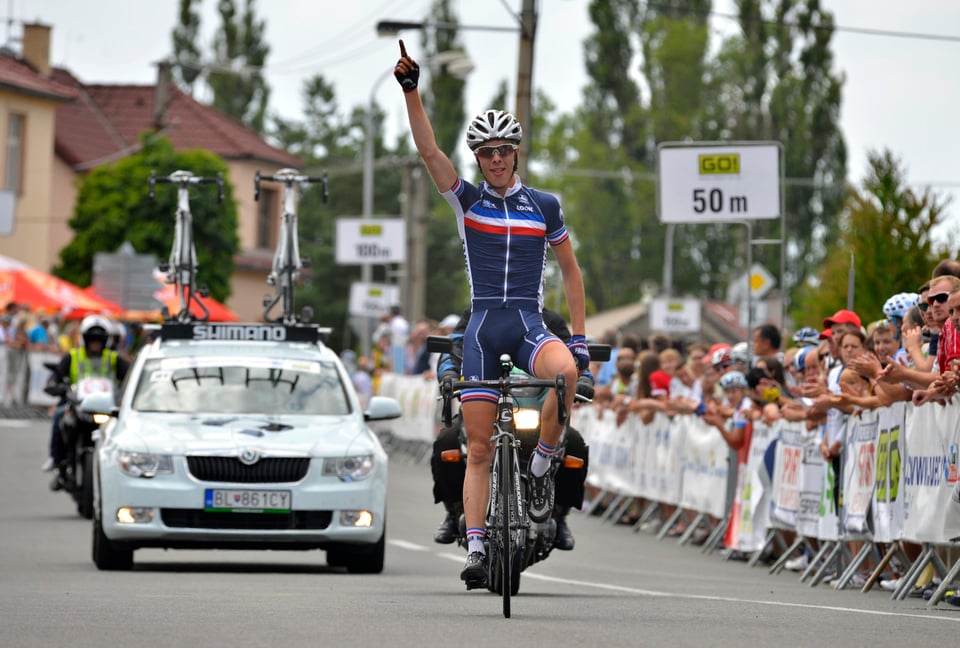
(703, 597)
(403, 544)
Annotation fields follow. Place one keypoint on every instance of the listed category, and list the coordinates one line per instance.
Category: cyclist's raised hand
(406, 71)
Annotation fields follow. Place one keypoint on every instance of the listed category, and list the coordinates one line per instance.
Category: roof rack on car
(217, 332)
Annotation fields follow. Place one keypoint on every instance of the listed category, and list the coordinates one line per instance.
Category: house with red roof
(70, 127)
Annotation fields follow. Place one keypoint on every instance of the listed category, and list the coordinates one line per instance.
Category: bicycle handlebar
(503, 385)
(184, 178)
(288, 177)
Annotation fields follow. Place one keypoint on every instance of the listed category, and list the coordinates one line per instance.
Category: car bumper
(320, 512)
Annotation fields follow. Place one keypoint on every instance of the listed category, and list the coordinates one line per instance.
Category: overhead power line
(866, 31)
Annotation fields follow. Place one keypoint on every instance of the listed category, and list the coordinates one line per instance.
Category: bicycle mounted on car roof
(181, 268)
(287, 262)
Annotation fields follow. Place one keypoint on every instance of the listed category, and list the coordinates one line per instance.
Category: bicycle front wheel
(505, 479)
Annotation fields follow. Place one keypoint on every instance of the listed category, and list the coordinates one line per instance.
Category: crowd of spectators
(24, 330)
(832, 367)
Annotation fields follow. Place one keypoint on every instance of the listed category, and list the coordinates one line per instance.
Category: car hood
(218, 434)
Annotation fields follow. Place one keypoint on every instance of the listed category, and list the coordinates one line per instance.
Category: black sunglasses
(502, 150)
(923, 306)
(940, 298)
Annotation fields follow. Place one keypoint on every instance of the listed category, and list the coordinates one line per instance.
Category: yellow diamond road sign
(761, 281)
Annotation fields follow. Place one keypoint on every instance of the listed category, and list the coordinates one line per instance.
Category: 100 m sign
(714, 201)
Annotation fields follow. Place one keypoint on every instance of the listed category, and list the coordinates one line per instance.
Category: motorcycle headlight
(526, 419)
(348, 469)
(144, 464)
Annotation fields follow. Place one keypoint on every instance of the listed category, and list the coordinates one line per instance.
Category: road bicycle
(287, 261)
(507, 524)
(181, 268)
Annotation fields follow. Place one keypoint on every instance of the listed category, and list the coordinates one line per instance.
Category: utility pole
(528, 31)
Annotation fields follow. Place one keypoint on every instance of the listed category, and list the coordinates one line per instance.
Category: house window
(266, 219)
(15, 152)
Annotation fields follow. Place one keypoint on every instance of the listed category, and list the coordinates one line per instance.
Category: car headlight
(348, 468)
(526, 419)
(144, 464)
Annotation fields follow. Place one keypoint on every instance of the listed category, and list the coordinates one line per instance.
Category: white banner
(705, 467)
(785, 496)
(418, 402)
(813, 469)
(888, 513)
(667, 443)
(39, 376)
(600, 440)
(859, 464)
(930, 474)
(754, 500)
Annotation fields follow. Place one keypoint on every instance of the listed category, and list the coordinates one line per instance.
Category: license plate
(247, 501)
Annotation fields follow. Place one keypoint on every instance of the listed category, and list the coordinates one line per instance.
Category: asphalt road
(616, 588)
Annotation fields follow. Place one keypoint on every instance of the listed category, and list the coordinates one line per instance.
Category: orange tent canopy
(22, 284)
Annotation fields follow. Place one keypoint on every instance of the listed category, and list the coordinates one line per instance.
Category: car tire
(109, 555)
(85, 487)
(369, 561)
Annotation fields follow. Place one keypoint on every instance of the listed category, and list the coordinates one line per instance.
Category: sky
(901, 93)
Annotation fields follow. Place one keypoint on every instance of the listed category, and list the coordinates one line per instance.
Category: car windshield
(241, 385)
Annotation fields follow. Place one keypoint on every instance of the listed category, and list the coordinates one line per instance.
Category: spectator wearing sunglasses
(936, 300)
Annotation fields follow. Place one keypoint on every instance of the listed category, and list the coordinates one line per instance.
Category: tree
(112, 207)
(241, 94)
(887, 227)
(185, 50)
(775, 82)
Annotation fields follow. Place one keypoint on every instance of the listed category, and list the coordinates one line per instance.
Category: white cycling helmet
(807, 336)
(733, 379)
(740, 353)
(898, 305)
(492, 125)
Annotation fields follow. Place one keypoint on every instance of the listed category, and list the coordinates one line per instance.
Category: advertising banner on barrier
(601, 449)
(785, 494)
(39, 375)
(668, 441)
(621, 476)
(705, 466)
(418, 402)
(930, 474)
(888, 512)
(858, 471)
(813, 470)
(644, 458)
(754, 499)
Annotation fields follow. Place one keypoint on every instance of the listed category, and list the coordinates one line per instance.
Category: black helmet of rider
(95, 328)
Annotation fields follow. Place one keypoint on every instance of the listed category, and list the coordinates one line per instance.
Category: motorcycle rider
(448, 476)
(92, 359)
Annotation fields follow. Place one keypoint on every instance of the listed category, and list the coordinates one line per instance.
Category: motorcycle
(76, 427)
(569, 463)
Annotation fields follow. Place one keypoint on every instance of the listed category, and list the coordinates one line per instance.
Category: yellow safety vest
(82, 367)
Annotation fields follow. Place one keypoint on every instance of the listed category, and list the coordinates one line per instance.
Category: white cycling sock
(541, 459)
(475, 538)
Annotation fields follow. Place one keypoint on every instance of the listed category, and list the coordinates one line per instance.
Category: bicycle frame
(181, 268)
(287, 263)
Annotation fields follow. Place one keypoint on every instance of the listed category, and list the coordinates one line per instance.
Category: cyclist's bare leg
(555, 358)
(478, 418)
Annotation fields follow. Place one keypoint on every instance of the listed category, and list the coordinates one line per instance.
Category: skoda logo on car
(249, 456)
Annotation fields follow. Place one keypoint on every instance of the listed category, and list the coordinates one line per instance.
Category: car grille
(269, 470)
(199, 519)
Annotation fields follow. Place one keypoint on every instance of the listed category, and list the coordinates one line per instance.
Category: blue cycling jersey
(505, 242)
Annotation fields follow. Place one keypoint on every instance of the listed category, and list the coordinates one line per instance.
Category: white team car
(240, 437)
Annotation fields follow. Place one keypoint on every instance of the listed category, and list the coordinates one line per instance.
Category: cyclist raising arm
(504, 228)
